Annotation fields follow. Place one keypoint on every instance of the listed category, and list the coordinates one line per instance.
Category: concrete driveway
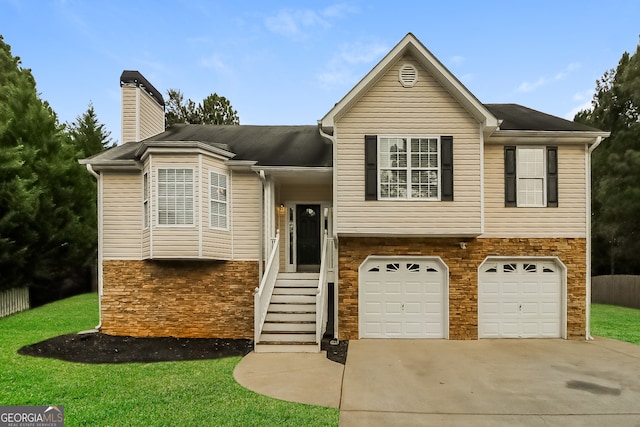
(451, 383)
(491, 382)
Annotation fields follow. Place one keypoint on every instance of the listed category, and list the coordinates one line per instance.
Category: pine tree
(616, 168)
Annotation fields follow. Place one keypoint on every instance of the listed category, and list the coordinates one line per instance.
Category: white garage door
(403, 298)
(520, 299)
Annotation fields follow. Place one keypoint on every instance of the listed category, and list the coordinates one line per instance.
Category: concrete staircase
(290, 325)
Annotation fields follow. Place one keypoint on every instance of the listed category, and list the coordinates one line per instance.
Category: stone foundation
(463, 275)
(186, 299)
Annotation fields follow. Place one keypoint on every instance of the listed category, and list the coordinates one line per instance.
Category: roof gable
(412, 46)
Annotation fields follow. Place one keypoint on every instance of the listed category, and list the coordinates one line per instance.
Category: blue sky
(289, 62)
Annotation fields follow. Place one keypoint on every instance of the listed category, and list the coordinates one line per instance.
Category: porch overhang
(297, 174)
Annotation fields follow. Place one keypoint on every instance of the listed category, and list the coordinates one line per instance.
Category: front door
(308, 237)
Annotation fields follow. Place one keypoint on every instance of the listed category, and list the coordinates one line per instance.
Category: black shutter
(552, 177)
(446, 167)
(370, 167)
(510, 176)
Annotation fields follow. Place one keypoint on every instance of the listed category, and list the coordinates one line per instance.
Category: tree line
(48, 218)
(616, 169)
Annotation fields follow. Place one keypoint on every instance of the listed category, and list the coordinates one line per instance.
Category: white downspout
(100, 242)
(334, 211)
(588, 177)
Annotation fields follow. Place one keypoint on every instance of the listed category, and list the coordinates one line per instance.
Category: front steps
(290, 324)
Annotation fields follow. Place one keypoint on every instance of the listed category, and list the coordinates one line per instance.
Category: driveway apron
(491, 382)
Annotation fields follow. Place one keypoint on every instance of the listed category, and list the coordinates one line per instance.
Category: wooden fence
(13, 301)
(620, 289)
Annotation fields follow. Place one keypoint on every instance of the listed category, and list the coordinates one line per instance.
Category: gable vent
(408, 75)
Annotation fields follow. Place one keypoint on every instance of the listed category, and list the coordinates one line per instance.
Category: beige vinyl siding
(427, 109)
(175, 241)
(246, 192)
(567, 220)
(129, 113)
(216, 243)
(122, 215)
(151, 116)
(142, 116)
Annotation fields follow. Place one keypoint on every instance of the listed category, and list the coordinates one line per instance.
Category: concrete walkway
(437, 382)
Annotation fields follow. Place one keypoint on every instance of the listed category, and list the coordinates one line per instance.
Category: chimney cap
(134, 76)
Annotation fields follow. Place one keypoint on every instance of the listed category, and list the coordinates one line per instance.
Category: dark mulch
(101, 348)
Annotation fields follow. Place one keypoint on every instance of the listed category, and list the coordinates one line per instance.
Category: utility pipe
(588, 177)
(99, 212)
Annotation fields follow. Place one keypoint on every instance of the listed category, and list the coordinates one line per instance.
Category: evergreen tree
(47, 200)
(213, 110)
(616, 169)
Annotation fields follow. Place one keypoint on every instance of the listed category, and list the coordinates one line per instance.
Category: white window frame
(159, 203)
(522, 176)
(145, 200)
(213, 190)
(408, 168)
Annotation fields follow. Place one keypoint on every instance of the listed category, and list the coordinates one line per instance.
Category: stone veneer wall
(463, 275)
(186, 299)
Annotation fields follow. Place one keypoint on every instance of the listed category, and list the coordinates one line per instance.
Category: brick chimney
(142, 108)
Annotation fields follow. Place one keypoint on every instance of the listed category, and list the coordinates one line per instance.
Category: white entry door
(403, 298)
(520, 299)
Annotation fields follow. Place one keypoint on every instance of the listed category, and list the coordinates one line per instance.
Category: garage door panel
(393, 288)
(373, 308)
(519, 299)
(413, 308)
(393, 308)
(412, 295)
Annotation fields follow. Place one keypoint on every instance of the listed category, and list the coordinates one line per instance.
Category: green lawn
(194, 393)
(620, 323)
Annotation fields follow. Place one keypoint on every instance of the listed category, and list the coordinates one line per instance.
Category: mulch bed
(99, 348)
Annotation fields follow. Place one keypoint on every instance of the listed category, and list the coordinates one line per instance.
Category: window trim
(146, 211)
(193, 196)
(550, 178)
(212, 201)
(543, 150)
(409, 169)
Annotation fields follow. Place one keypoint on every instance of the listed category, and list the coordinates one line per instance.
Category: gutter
(595, 145)
(99, 212)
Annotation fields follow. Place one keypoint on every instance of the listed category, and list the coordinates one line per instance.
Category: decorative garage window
(509, 268)
(408, 168)
(531, 176)
(411, 267)
(219, 204)
(175, 196)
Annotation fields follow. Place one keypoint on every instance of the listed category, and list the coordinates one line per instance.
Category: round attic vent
(408, 75)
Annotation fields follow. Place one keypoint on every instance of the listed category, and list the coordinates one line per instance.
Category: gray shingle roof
(303, 146)
(517, 117)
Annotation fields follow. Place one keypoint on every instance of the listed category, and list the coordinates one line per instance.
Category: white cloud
(214, 62)
(457, 60)
(294, 23)
(529, 87)
(343, 67)
(542, 81)
(575, 110)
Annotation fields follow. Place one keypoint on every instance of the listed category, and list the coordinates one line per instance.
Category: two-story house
(411, 210)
